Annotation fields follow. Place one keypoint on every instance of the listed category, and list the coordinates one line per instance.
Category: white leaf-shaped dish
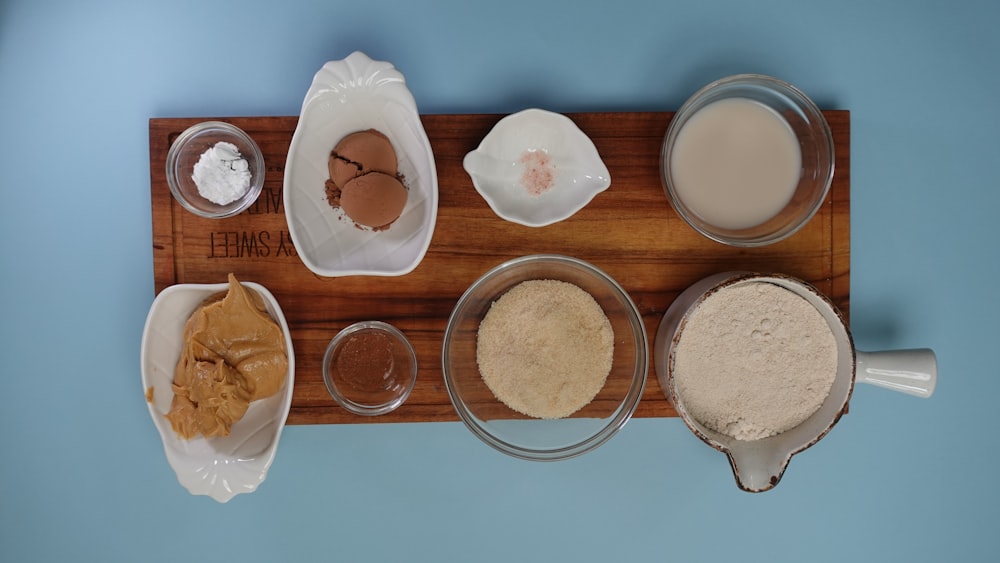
(351, 95)
(497, 168)
(220, 467)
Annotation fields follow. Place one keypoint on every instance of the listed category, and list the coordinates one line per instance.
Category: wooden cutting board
(630, 231)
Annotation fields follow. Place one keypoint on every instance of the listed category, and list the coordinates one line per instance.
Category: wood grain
(630, 231)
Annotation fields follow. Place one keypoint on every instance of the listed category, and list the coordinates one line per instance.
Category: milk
(735, 163)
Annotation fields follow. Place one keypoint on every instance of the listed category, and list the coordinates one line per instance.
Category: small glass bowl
(815, 141)
(370, 368)
(537, 439)
(188, 148)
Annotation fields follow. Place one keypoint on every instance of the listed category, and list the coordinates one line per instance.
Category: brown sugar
(374, 200)
(360, 153)
(364, 180)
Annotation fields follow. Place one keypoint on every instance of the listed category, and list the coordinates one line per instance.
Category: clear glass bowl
(815, 142)
(188, 148)
(370, 368)
(536, 439)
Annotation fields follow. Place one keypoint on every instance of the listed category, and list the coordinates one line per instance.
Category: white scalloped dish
(356, 94)
(220, 467)
(536, 167)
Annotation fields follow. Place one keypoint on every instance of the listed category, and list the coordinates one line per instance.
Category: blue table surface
(83, 473)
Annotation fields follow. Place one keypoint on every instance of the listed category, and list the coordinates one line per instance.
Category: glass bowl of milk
(747, 160)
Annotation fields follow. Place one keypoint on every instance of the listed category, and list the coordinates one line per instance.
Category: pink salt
(539, 172)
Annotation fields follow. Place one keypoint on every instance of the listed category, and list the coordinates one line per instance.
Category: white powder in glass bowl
(222, 174)
(754, 360)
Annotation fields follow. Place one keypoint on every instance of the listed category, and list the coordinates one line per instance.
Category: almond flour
(545, 348)
(754, 360)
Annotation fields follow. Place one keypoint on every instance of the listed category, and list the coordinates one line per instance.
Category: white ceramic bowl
(498, 168)
(349, 95)
(220, 467)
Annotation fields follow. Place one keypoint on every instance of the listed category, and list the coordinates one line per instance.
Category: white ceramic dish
(349, 95)
(220, 467)
(497, 168)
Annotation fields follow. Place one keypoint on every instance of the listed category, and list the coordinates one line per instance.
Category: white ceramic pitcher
(758, 465)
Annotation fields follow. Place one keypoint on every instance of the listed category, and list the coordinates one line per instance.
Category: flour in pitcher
(754, 360)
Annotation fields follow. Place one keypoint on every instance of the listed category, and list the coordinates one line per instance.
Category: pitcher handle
(909, 371)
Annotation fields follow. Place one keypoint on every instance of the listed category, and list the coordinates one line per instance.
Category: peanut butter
(234, 354)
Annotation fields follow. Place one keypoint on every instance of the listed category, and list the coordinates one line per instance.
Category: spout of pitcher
(756, 467)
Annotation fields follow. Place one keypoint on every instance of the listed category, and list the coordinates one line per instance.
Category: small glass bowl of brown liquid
(370, 368)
